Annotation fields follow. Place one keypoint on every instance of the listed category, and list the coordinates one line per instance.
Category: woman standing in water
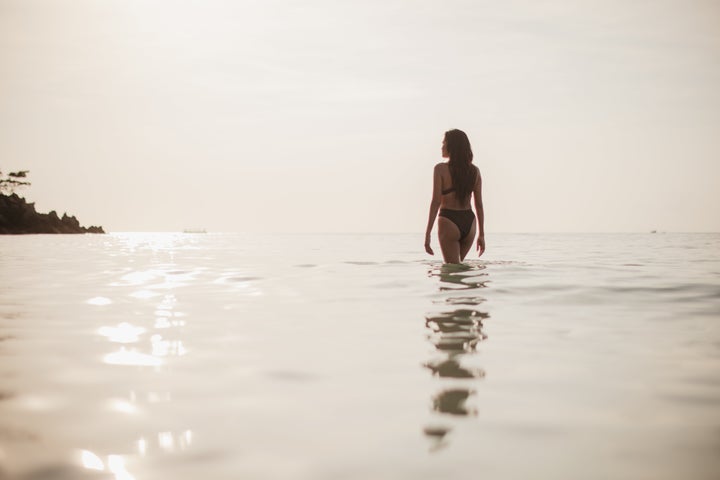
(454, 183)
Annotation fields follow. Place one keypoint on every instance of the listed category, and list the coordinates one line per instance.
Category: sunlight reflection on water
(122, 333)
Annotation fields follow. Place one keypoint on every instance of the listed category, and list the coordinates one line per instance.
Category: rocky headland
(17, 216)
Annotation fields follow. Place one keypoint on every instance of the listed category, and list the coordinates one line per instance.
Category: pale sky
(328, 115)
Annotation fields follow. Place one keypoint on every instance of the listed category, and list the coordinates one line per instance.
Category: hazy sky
(328, 115)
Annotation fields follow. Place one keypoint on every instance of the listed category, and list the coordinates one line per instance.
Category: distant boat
(194, 230)
(653, 231)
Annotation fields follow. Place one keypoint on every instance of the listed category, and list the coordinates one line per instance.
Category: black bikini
(463, 219)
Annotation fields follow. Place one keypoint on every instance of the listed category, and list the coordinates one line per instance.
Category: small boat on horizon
(194, 230)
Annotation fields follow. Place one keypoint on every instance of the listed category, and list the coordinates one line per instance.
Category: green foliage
(10, 181)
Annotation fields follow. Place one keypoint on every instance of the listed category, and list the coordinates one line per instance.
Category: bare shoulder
(440, 167)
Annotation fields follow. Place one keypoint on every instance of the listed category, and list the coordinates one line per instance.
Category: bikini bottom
(462, 218)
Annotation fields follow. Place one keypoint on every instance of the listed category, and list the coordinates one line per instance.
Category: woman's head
(456, 147)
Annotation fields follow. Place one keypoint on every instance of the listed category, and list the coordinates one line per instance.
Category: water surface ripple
(184, 356)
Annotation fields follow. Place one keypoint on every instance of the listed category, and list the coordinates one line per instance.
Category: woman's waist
(456, 211)
(452, 204)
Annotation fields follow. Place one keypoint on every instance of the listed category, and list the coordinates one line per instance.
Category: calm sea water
(223, 356)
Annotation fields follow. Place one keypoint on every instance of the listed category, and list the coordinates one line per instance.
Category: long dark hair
(462, 171)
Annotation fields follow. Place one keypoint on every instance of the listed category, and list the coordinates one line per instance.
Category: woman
(454, 183)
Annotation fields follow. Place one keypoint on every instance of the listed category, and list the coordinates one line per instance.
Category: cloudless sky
(328, 115)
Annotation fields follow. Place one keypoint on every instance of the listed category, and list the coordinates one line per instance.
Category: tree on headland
(10, 181)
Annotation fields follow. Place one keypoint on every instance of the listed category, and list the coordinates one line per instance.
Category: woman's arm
(477, 194)
(434, 207)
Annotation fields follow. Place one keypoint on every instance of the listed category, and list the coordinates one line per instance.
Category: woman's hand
(481, 245)
(428, 248)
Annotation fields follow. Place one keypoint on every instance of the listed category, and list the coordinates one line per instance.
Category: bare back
(450, 200)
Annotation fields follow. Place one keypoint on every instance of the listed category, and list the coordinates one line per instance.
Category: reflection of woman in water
(454, 183)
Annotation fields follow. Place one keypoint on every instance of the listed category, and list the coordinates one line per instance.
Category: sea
(360, 357)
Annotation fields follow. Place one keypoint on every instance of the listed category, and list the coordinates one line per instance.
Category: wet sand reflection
(455, 335)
